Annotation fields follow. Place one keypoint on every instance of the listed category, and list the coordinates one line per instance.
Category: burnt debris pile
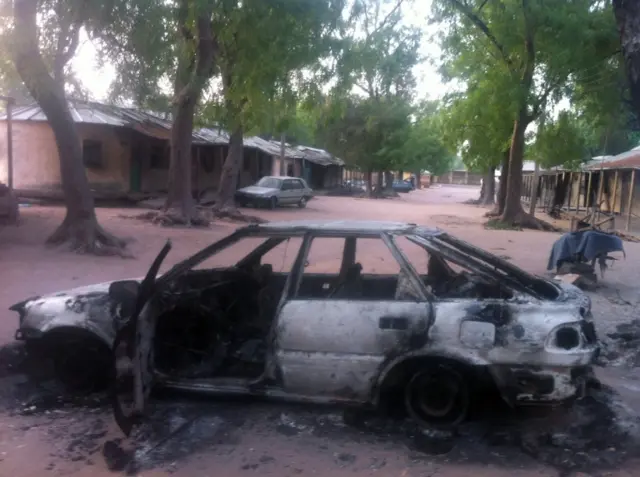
(622, 347)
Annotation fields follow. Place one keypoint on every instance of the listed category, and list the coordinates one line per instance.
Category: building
(126, 154)
(609, 183)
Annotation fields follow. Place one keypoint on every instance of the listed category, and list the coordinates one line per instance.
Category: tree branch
(482, 5)
(207, 50)
(482, 26)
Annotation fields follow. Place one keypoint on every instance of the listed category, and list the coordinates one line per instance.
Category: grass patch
(497, 224)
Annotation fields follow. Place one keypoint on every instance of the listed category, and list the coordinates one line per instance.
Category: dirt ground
(45, 436)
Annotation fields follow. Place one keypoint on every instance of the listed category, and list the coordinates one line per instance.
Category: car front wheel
(438, 396)
(303, 203)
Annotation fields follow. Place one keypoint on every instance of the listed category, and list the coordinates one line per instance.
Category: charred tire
(303, 203)
(438, 396)
(81, 361)
(273, 203)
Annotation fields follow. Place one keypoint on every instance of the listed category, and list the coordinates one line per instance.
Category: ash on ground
(595, 434)
(622, 346)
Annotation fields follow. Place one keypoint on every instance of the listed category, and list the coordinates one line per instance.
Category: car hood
(87, 307)
(255, 190)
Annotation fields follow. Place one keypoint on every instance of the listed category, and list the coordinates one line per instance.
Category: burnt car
(327, 312)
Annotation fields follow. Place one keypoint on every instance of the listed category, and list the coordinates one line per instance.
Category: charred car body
(451, 315)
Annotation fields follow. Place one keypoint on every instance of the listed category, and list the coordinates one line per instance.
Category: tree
(537, 53)
(478, 124)
(627, 14)
(371, 134)
(46, 85)
(367, 119)
(562, 142)
(198, 49)
(262, 46)
(425, 148)
(248, 48)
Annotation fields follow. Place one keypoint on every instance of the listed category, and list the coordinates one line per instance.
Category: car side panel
(336, 348)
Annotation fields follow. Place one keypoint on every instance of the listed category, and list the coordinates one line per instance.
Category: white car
(430, 332)
(275, 191)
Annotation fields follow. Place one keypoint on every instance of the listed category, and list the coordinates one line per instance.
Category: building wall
(36, 164)
(459, 177)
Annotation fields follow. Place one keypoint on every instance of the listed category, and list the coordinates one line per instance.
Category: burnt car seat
(351, 285)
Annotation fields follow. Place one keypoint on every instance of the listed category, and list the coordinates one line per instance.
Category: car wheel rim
(437, 397)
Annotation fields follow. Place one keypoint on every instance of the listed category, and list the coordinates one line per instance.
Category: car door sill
(242, 387)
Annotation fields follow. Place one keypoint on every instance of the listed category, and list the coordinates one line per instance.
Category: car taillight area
(572, 336)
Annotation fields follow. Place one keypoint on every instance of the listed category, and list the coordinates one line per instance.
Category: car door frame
(274, 368)
(287, 194)
(133, 365)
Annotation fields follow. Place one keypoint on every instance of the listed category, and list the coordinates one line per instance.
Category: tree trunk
(418, 180)
(534, 189)
(502, 187)
(512, 204)
(193, 73)
(380, 184)
(388, 180)
(180, 199)
(229, 177)
(369, 182)
(488, 191)
(483, 188)
(627, 13)
(80, 226)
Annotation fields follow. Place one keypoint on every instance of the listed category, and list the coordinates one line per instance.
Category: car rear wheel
(273, 203)
(303, 203)
(438, 396)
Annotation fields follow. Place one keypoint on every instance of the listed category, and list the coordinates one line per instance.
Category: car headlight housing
(566, 337)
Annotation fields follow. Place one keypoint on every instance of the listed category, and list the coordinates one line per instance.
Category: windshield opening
(269, 182)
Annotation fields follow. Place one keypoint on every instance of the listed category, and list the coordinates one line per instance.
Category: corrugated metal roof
(88, 112)
(625, 160)
(319, 156)
(150, 124)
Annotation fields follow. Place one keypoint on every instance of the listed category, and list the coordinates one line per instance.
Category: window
(375, 257)
(92, 154)
(270, 183)
(325, 256)
(159, 159)
(290, 170)
(354, 269)
(288, 185)
(297, 185)
(415, 254)
(281, 257)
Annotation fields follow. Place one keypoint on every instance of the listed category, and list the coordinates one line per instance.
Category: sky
(429, 84)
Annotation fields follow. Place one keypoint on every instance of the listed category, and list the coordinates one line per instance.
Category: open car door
(133, 346)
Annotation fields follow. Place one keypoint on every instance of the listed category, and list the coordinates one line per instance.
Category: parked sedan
(274, 191)
(431, 324)
(402, 186)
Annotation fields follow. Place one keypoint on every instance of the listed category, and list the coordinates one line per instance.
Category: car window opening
(448, 280)
(215, 321)
(363, 269)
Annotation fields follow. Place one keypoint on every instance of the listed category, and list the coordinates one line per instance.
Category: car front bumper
(532, 385)
(257, 200)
